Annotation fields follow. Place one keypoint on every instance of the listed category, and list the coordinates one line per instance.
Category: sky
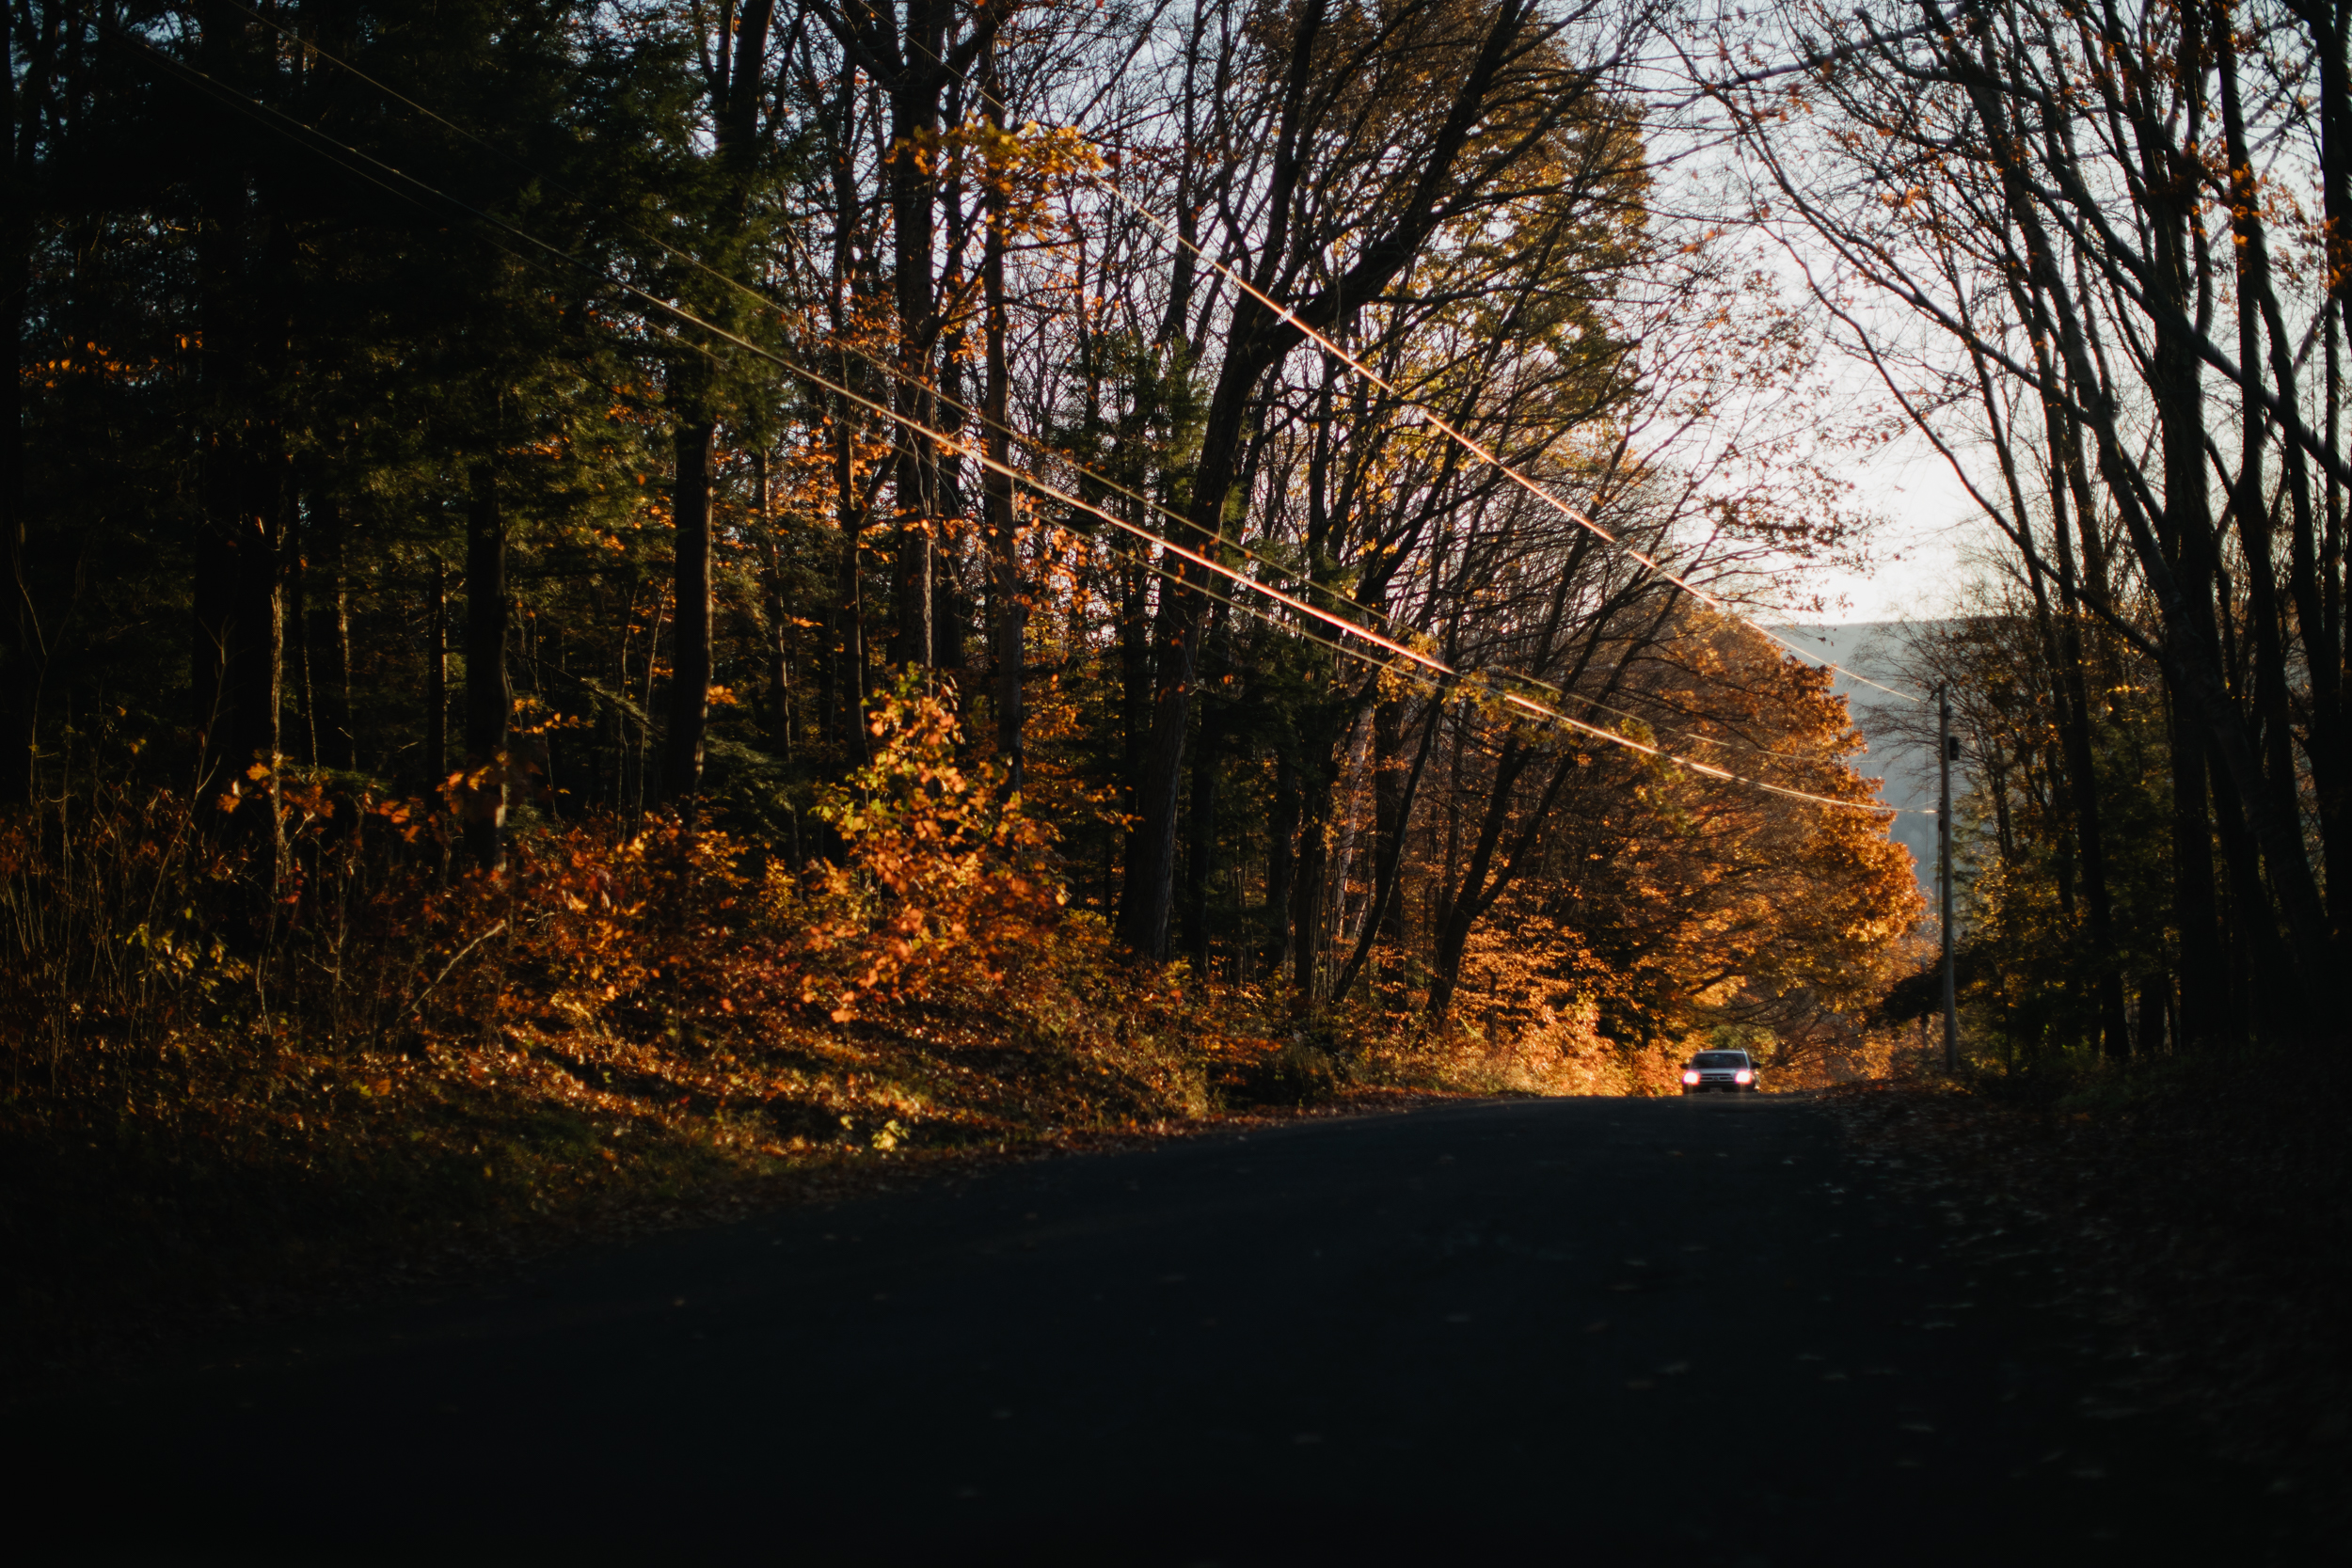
(1918, 552)
(1931, 524)
(1930, 521)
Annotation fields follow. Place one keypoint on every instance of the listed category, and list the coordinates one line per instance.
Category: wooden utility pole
(1946, 748)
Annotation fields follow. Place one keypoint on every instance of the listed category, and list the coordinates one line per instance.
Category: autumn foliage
(629, 1014)
(527, 752)
(946, 881)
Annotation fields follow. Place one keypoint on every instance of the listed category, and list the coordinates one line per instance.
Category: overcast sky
(1920, 550)
(1929, 522)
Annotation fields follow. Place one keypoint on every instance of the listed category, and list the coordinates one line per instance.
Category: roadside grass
(174, 1182)
(290, 1047)
(2182, 1207)
(253, 1063)
(233, 1173)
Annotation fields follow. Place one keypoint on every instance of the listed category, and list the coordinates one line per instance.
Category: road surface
(1561, 1331)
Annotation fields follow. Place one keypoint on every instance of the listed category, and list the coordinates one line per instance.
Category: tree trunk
(1200, 852)
(329, 634)
(848, 600)
(243, 299)
(1137, 721)
(22, 666)
(1392, 804)
(1256, 341)
(1319, 772)
(488, 699)
(689, 639)
(1492, 868)
(1459, 906)
(915, 106)
(735, 78)
(1281, 863)
(2150, 1006)
(1008, 624)
(240, 643)
(2062, 636)
(2259, 317)
(2074, 721)
(1393, 816)
(2190, 652)
(1445, 963)
(778, 616)
(297, 614)
(2271, 1008)
(437, 682)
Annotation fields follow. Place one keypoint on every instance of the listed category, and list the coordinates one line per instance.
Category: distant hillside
(1907, 765)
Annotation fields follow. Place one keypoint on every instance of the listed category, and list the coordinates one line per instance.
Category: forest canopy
(2098, 257)
(616, 609)
(1261, 485)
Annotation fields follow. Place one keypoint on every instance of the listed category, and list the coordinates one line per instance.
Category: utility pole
(1946, 748)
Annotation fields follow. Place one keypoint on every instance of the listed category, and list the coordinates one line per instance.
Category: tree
(398, 328)
(1515, 95)
(2076, 203)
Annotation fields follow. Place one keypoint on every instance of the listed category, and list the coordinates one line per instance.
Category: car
(1722, 1071)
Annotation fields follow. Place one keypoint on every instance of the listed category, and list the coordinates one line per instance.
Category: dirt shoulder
(2185, 1215)
(133, 1234)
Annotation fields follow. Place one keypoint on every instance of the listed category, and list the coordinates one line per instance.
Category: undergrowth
(285, 1037)
(2171, 1201)
(288, 1037)
(246, 1053)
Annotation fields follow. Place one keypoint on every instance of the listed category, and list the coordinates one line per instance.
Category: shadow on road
(1605, 1331)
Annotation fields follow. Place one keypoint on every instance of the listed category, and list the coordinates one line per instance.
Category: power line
(1444, 687)
(1038, 445)
(1469, 444)
(1476, 448)
(286, 125)
(764, 303)
(1031, 443)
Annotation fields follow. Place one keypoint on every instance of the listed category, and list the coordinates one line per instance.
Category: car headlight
(1690, 1077)
(1743, 1076)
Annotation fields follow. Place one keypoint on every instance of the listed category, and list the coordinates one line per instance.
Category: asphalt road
(1564, 1331)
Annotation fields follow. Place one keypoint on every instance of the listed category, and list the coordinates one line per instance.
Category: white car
(1720, 1072)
